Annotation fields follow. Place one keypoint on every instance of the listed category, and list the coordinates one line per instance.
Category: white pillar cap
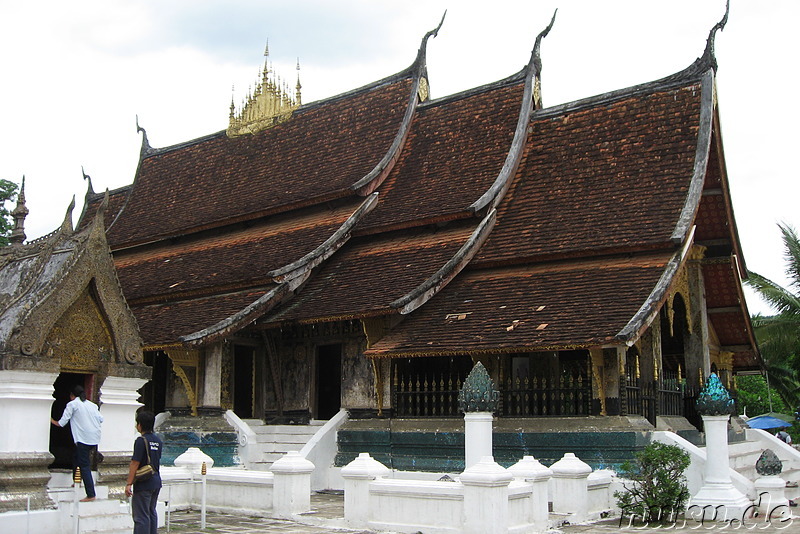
(364, 466)
(570, 466)
(292, 462)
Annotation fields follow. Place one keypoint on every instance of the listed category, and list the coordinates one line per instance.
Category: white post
(477, 437)
(571, 487)
(486, 497)
(357, 476)
(717, 499)
(292, 485)
(120, 400)
(203, 495)
(532, 471)
(772, 501)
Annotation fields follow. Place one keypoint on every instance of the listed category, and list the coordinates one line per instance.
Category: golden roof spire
(270, 103)
(298, 86)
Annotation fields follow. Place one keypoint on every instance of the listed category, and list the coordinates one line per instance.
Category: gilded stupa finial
(17, 236)
(298, 86)
(269, 103)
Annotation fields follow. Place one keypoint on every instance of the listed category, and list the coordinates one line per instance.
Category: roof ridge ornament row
(269, 104)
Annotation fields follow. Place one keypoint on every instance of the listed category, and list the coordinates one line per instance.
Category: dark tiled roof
(236, 258)
(453, 154)
(557, 306)
(116, 200)
(163, 324)
(317, 155)
(365, 277)
(611, 176)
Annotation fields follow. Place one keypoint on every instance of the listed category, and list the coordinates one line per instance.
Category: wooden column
(612, 380)
(696, 350)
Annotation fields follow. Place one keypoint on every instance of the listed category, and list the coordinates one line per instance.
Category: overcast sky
(74, 75)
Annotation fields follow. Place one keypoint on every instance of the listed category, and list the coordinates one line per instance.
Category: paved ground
(328, 509)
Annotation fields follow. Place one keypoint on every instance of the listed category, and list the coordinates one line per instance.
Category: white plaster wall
(26, 398)
(119, 402)
(411, 506)
(227, 490)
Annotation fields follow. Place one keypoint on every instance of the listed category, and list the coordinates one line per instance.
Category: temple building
(63, 322)
(362, 252)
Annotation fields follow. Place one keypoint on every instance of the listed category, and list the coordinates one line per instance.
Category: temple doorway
(243, 373)
(61, 445)
(329, 381)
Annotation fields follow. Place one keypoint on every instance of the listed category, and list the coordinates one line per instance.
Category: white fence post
(486, 497)
(571, 487)
(357, 476)
(291, 492)
(531, 470)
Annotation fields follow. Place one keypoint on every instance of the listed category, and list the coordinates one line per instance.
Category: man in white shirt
(85, 419)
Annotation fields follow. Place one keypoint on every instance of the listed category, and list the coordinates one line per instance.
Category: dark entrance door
(243, 358)
(61, 445)
(329, 381)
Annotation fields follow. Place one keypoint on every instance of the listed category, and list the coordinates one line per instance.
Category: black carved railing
(640, 396)
(425, 395)
(670, 394)
(436, 395)
(540, 397)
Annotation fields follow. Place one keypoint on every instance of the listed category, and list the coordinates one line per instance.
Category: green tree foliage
(753, 395)
(8, 193)
(779, 335)
(655, 484)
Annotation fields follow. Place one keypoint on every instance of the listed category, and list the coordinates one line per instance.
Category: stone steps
(273, 441)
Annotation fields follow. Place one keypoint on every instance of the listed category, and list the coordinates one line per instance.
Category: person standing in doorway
(85, 420)
(146, 450)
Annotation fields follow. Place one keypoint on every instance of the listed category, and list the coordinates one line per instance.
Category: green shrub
(655, 485)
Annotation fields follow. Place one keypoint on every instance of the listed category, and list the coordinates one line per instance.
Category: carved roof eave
(532, 71)
(378, 174)
(326, 249)
(695, 193)
(430, 287)
(649, 310)
(289, 279)
(736, 270)
(238, 320)
(89, 248)
(731, 222)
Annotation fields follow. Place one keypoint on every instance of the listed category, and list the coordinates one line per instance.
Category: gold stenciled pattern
(80, 338)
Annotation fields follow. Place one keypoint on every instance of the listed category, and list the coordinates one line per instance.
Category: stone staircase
(102, 516)
(744, 455)
(273, 441)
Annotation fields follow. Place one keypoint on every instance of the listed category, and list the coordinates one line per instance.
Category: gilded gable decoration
(271, 103)
(61, 300)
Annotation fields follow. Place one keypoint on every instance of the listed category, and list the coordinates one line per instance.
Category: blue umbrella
(766, 422)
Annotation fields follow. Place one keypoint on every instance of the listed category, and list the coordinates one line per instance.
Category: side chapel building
(362, 252)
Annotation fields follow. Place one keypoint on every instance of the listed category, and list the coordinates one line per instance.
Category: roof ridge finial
(66, 226)
(145, 142)
(17, 236)
(420, 62)
(535, 55)
(708, 53)
(536, 63)
(89, 178)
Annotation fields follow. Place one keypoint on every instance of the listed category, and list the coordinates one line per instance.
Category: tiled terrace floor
(329, 511)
